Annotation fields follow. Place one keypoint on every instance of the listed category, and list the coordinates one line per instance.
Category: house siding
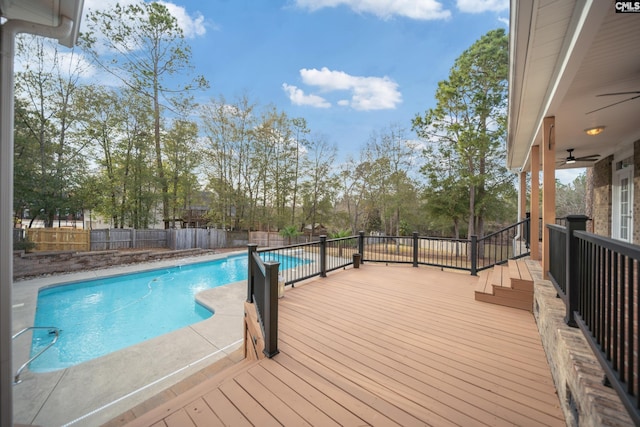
(602, 196)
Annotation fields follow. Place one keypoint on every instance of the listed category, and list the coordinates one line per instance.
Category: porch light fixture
(594, 130)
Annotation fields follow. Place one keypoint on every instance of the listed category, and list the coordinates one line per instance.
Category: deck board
(385, 345)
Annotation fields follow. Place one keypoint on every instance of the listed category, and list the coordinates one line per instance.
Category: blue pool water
(100, 316)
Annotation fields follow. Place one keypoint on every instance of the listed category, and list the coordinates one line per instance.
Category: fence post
(270, 318)
(133, 238)
(415, 248)
(573, 223)
(361, 246)
(474, 255)
(252, 248)
(323, 256)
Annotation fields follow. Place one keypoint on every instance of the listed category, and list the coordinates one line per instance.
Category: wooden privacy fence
(62, 239)
(274, 239)
(124, 238)
(189, 238)
(59, 239)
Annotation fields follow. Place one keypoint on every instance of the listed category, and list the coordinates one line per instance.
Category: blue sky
(350, 67)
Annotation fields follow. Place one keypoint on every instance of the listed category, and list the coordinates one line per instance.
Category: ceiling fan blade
(615, 103)
(619, 93)
(588, 158)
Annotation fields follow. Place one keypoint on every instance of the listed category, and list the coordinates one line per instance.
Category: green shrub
(24, 245)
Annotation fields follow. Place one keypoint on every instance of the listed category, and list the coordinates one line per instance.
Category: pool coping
(96, 391)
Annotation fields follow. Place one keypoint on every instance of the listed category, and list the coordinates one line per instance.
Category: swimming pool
(101, 316)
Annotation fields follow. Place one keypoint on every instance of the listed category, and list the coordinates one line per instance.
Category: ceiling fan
(571, 159)
(636, 94)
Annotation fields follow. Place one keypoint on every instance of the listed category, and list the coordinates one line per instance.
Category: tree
(116, 124)
(300, 129)
(229, 128)
(182, 162)
(354, 189)
(149, 50)
(289, 232)
(49, 156)
(318, 188)
(570, 198)
(390, 156)
(469, 122)
(446, 192)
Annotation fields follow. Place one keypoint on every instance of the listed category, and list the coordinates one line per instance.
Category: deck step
(484, 282)
(157, 414)
(520, 276)
(509, 285)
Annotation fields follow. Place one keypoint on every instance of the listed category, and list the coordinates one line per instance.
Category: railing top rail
(556, 227)
(337, 239)
(446, 239)
(495, 233)
(624, 248)
(295, 245)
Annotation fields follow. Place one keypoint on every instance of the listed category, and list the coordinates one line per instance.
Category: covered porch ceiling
(580, 62)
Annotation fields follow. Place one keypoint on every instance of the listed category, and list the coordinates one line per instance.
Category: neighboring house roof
(564, 55)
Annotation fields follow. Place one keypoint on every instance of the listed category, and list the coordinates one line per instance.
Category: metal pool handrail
(56, 331)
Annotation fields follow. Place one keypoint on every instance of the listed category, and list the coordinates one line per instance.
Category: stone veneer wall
(577, 374)
(41, 263)
(602, 196)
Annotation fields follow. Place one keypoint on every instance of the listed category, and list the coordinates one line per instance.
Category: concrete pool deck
(96, 391)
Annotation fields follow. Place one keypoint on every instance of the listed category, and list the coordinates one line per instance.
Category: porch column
(534, 207)
(522, 207)
(548, 186)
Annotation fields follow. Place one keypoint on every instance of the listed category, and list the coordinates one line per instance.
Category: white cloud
(480, 6)
(191, 26)
(298, 97)
(385, 9)
(367, 93)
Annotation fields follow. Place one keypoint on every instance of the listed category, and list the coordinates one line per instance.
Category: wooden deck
(383, 345)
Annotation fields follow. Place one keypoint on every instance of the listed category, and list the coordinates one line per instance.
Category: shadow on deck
(381, 346)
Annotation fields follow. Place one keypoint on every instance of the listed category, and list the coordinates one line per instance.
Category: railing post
(361, 246)
(474, 255)
(573, 223)
(252, 248)
(323, 256)
(270, 318)
(415, 248)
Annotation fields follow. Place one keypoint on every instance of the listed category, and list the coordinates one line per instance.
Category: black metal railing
(557, 248)
(449, 253)
(497, 248)
(389, 249)
(306, 260)
(271, 269)
(601, 295)
(263, 292)
(608, 311)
